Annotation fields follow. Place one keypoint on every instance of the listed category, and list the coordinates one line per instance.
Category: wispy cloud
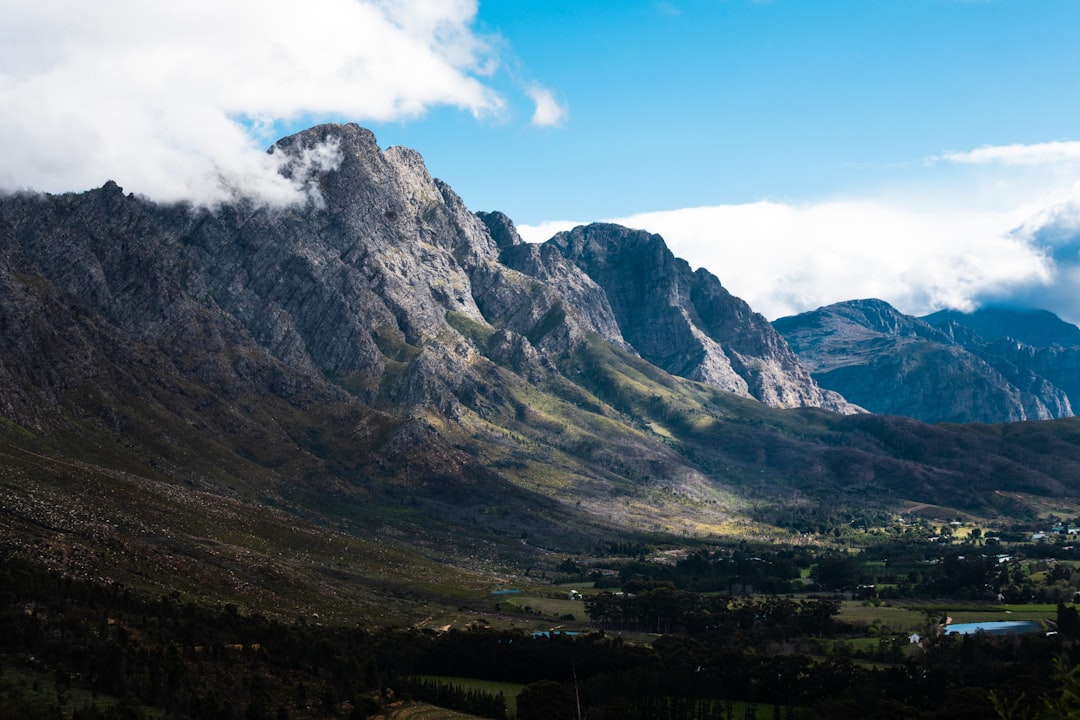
(175, 100)
(1036, 154)
(549, 112)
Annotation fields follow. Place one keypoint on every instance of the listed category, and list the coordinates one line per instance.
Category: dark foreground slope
(378, 400)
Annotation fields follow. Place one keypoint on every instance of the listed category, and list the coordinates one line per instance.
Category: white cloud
(991, 235)
(785, 259)
(1038, 154)
(175, 99)
(549, 112)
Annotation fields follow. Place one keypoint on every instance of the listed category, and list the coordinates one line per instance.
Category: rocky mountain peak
(384, 283)
(893, 363)
(686, 322)
(1037, 328)
(502, 229)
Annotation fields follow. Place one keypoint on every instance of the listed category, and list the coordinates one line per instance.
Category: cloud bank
(988, 240)
(177, 100)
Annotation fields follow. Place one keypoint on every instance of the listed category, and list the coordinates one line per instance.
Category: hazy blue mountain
(896, 364)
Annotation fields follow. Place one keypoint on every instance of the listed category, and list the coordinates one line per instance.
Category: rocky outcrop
(1034, 328)
(1034, 348)
(895, 364)
(686, 322)
(378, 358)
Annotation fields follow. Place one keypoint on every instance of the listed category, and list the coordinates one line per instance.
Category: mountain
(686, 322)
(376, 401)
(1034, 345)
(1036, 328)
(939, 368)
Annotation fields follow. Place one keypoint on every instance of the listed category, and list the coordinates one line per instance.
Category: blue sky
(680, 104)
(926, 152)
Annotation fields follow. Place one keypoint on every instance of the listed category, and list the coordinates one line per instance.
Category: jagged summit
(377, 340)
(1037, 328)
(897, 364)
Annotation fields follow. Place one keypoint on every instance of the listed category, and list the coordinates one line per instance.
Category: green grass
(886, 617)
(993, 614)
(549, 608)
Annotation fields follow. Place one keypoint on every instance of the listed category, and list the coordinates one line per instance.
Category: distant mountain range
(992, 365)
(339, 398)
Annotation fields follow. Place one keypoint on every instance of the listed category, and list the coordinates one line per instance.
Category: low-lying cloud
(980, 239)
(178, 101)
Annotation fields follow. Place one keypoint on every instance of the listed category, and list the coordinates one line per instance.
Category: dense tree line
(453, 696)
(660, 608)
(735, 571)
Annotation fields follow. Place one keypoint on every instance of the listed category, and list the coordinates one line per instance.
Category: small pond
(1003, 627)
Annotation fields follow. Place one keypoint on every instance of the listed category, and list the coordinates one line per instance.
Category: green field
(546, 606)
(890, 618)
(914, 617)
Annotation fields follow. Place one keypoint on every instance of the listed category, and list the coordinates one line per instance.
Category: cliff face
(1035, 348)
(896, 364)
(686, 322)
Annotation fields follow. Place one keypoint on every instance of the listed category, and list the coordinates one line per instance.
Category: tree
(1068, 621)
(836, 572)
(546, 700)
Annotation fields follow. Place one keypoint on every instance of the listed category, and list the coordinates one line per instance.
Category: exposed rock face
(380, 346)
(1034, 348)
(686, 322)
(896, 364)
(372, 286)
(1035, 328)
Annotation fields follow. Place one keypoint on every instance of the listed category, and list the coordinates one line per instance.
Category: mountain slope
(379, 395)
(1035, 347)
(896, 364)
(686, 322)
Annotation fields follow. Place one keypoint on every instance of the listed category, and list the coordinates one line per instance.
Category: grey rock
(686, 322)
(895, 364)
(1035, 349)
(381, 287)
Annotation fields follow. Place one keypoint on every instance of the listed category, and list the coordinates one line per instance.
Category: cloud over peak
(174, 100)
(1006, 232)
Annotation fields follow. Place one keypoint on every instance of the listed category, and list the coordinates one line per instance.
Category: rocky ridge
(932, 369)
(686, 322)
(357, 286)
